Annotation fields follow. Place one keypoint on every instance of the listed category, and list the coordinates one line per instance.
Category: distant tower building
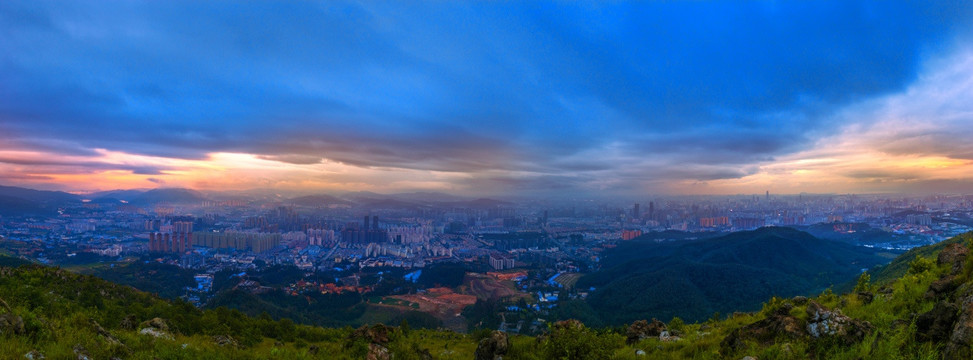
(768, 195)
(375, 222)
(366, 228)
(635, 211)
(651, 210)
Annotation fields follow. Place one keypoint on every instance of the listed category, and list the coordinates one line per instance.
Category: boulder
(642, 329)
(767, 331)
(34, 355)
(128, 323)
(155, 328)
(665, 336)
(936, 325)
(866, 297)
(11, 324)
(955, 255)
(831, 323)
(376, 334)
(942, 287)
(224, 340)
(156, 323)
(81, 353)
(962, 335)
(799, 300)
(568, 324)
(104, 333)
(377, 352)
(492, 347)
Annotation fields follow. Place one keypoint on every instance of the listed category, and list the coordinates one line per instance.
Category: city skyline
(491, 98)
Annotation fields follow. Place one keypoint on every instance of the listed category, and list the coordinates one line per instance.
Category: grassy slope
(900, 265)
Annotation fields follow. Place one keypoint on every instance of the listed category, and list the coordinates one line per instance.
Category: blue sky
(490, 97)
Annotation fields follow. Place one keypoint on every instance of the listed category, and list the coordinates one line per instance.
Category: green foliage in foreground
(65, 314)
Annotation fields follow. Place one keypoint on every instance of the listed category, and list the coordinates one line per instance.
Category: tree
(864, 282)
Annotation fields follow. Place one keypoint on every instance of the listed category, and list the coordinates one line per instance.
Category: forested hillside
(693, 279)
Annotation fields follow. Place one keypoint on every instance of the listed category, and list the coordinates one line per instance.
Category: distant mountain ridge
(39, 196)
(125, 195)
(169, 195)
(316, 200)
(23, 201)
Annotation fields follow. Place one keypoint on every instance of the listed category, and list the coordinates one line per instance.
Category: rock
(12, 324)
(569, 324)
(128, 323)
(81, 353)
(866, 297)
(34, 355)
(767, 331)
(376, 334)
(156, 328)
(492, 347)
(377, 352)
(3, 304)
(224, 340)
(156, 323)
(955, 255)
(642, 329)
(962, 335)
(639, 352)
(936, 325)
(665, 336)
(942, 287)
(827, 323)
(104, 333)
(155, 333)
(749, 358)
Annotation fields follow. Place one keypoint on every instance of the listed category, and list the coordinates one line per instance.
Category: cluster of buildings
(550, 237)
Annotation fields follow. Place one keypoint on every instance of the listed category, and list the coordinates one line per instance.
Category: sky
(545, 98)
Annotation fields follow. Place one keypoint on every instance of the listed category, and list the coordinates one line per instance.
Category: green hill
(900, 265)
(692, 279)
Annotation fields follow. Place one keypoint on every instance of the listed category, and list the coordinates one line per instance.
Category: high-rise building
(635, 211)
(366, 228)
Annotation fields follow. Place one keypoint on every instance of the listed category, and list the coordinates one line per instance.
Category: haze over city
(489, 98)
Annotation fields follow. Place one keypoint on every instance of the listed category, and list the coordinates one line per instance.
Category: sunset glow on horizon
(492, 98)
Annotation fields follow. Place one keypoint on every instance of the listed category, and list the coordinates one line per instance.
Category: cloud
(293, 159)
(506, 96)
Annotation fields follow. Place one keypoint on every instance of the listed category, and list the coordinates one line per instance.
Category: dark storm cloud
(552, 88)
